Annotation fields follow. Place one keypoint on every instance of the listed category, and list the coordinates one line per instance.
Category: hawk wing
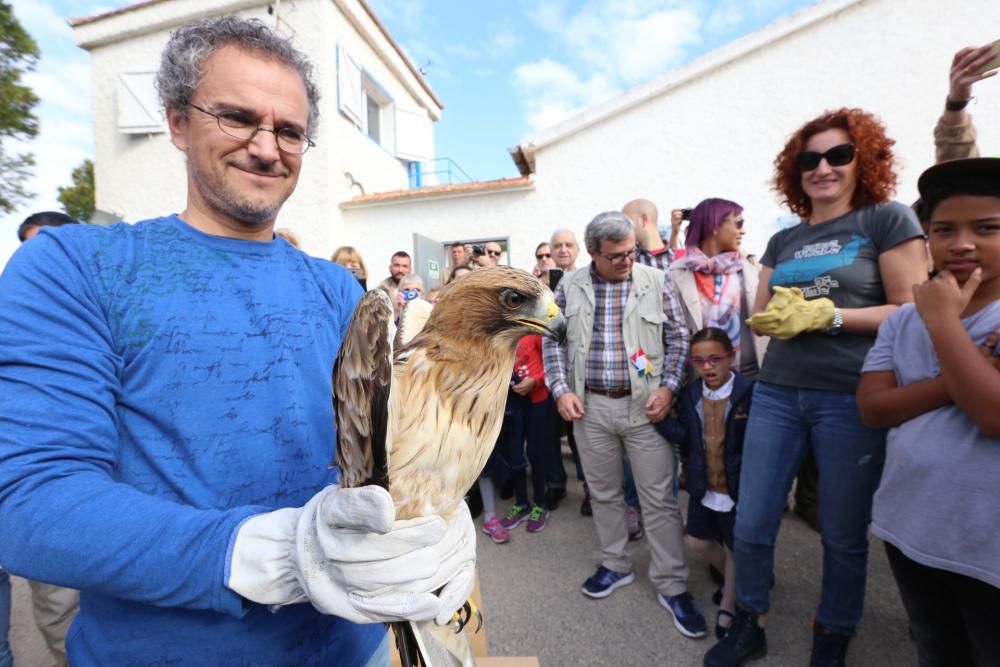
(362, 376)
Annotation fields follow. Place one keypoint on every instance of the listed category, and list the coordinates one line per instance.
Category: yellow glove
(788, 314)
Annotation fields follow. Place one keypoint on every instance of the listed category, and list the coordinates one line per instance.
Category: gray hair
(612, 226)
(411, 281)
(562, 230)
(181, 66)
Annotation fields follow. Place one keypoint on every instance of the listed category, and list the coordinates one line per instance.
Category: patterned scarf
(720, 287)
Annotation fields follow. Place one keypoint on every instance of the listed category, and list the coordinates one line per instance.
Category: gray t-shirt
(837, 259)
(937, 501)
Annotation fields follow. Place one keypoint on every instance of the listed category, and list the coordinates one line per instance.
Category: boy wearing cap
(932, 376)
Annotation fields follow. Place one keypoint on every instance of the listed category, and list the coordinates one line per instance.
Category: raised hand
(942, 299)
(965, 72)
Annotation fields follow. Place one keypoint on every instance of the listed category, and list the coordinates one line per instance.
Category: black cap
(973, 176)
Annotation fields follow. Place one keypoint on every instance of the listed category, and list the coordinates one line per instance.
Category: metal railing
(439, 171)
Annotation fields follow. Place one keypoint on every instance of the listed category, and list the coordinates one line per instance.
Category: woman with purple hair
(716, 283)
(717, 287)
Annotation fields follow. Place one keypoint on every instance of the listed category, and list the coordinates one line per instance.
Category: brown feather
(447, 391)
(361, 384)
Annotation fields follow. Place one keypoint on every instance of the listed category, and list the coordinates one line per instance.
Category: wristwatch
(838, 323)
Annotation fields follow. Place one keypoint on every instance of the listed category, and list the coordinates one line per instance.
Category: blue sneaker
(687, 619)
(605, 581)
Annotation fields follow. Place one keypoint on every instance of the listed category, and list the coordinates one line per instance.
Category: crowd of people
(162, 405)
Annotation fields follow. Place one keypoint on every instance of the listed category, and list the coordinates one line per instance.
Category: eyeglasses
(237, 125)
(543, 255)
(494, 253)
(712, 360)
(619, 257)
(837, 156)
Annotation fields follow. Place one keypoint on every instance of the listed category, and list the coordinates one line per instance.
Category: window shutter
(138, 103)
(350, 92)
(414, 135)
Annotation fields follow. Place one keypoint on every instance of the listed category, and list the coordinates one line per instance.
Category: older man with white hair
(565, 249)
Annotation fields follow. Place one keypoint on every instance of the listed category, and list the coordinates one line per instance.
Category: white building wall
(718, 135)
(142, 176)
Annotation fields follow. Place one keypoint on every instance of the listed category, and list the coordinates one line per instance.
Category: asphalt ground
(533, 605)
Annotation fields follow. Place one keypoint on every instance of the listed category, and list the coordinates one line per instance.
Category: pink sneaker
(497, 533)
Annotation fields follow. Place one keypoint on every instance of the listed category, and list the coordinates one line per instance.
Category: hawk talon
(465, 614)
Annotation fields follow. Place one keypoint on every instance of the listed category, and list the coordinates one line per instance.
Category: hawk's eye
(513, 299)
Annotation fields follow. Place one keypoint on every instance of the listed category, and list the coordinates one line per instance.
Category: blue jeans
(784, 423)
(6, 658)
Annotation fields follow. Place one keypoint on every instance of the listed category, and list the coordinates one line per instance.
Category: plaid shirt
(607, 360)
(659, 261)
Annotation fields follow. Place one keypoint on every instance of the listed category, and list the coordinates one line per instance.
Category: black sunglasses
(837, 156)
(543, 255)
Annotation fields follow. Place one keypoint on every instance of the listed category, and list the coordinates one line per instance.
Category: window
(365, 102)
(374, 111)
(138, 104)
(379, 115)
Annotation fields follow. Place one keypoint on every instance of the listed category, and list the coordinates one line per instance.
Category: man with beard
(167, 426)
(400, 266)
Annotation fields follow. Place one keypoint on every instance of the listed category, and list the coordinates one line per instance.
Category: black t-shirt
(837, 259)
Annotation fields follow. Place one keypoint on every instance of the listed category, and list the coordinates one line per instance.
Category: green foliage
(78, 199)
(18, 53)
(15, 170)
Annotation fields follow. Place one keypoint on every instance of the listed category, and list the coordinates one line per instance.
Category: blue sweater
(685, 430)
(158, 386)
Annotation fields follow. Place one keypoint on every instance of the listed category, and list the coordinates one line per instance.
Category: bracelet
(837, 325)
(955, 105)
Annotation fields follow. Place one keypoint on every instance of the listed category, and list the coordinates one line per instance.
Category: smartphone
(555, 275)
(686, 213)
(993, 64)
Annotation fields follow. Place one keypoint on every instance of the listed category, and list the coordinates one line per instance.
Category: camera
(686, 213)
(478, 250)
(409, 294)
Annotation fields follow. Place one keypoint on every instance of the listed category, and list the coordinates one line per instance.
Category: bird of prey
(418, 411)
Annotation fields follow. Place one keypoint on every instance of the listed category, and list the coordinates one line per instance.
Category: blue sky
(504, 69)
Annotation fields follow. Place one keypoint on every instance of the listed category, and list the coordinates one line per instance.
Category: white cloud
(548, 15)
(551, 91)
(62, 85)
(505, 40)
(496, 47)
(614, 43)
(43, 22)
(631, 48)
(409, 14)
(724, 18)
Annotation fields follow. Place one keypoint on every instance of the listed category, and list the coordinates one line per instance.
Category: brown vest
(714, 434)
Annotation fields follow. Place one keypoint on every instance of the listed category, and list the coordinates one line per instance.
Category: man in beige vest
(615, 376)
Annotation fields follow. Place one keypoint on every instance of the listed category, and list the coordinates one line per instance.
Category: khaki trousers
(54, 609)
(600, 436)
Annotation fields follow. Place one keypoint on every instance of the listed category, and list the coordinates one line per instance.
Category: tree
(78, 199)
(18, 54)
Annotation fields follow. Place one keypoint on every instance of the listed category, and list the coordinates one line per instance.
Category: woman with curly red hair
(826, 285)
